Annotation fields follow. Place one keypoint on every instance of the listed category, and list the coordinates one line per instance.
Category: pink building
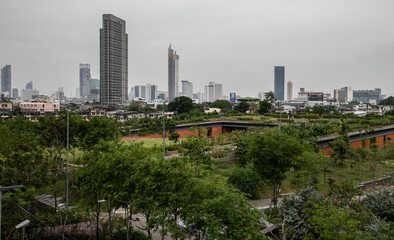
(6, 106)
(39, 107)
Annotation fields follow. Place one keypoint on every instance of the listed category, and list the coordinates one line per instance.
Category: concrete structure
(173, 74)
(39, 107)
(94, 90)
(28, 94)
(113, 61)
(6, 106)
(368, 96)
(187, 89)
(29, 85)
(279, 83)
(6, 79)
(343, 95)
(213, 91)
(289, 90)
(84, 78)
(15, 93)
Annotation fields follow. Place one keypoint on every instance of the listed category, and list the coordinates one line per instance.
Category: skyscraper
(187, 89)
(15, 94)
(289, 90)
(29, 85)
(279, 84)
(213, 91)
(173, 74)
(84, 78)
(113, 61)
(6, 79)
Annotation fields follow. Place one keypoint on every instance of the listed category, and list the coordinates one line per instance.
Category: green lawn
(150, 142)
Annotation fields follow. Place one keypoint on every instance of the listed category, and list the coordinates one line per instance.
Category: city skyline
(324, 45)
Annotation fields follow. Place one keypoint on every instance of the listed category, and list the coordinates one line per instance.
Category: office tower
(279, 84)
(93, 85)
(153, 92)
(368, 96)
(173, 74)
(213, 91)
(29, 85)
(28, 94)
(187, 89)
(343, 95)
(113, 61)
(15, 93)
(6, 79)
(289, 90)
(84, 77)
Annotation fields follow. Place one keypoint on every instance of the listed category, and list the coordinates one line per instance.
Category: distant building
(213, 91)
(94, 90)
(59, 94)
(187, 89)
(368, 96)
(84, 78)
(39, 107)
(113, 61)
(173, 74)
(343, 95)
(310, 96)
(15, 93)
(289, 90)
(29, 94)
(279, 83)
(150, 92)
(6, 79)
(29, 85)
(6, 106)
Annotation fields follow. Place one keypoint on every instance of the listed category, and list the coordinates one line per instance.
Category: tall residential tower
(289, 90)
(84, 78)
(6, 79)
(113, 61)
(173, 74)
(279, 84)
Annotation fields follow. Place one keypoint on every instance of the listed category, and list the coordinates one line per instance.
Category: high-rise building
(187, 89)
(29, 85)
(368, 96)
(113, 61)
(213, 91)
(279, 83)
(15, 94)
(6, 79)
(173, 74)
(84, 78)
(343, 95)
(289, 90)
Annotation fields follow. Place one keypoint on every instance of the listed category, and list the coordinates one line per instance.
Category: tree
(270, 96)
(242, 107)
(224, 105)
(341, 147)
(246, 180)
(264, 107)
(387, 101)
(273, 155)
(381, 203)
(328, 222)
(181, 105)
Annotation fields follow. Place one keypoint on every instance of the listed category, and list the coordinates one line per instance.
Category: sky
(323, 44)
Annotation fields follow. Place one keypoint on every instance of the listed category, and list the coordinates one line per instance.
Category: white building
(187, 89)
(213, 91)
(27, 94)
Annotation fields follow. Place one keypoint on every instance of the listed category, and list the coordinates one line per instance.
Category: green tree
(270, 96)
(224, 105)
(181, 105)
(264, 107)
(328, 222)
(341, 147)
(387, 101)
(246, 180)
(273, 155)
(242, 107)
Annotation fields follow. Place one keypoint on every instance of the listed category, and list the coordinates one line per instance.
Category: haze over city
(323, 44)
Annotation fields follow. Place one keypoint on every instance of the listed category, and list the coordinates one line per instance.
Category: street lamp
(20, 225)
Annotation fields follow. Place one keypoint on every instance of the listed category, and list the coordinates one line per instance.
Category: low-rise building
(43, 107)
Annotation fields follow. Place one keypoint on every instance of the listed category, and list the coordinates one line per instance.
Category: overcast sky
(323, 44)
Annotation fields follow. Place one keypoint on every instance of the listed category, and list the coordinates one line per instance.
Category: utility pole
(164, 133)
(68, 147)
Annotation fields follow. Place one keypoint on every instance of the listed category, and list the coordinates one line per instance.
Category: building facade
(15, 93)
(279, 83)
(6, 79)
(289, 90)
(343, 95)
(113, 61)
(368, 96)
(29, 94)
(213, 91)
(84, 78)
(173, 74)
(187, 89)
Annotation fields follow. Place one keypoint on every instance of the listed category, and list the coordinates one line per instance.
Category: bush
(246, 180)
(381, 203)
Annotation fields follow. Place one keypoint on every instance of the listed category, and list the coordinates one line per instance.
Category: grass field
(150, 142)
